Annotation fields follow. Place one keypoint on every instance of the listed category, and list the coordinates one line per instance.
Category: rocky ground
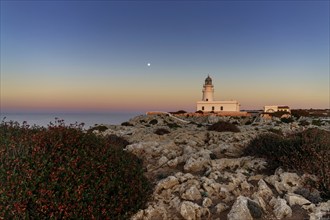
(200, 174)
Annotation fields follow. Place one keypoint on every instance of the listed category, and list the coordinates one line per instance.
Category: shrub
(179, 112)
(276, 131)
(316, 122)
(287, 120)
(173, 125)
(199, 112)
(99, 128)
(62, 172)
(248, 122)
(223, 126)
(116, 141)
(126, 123)
(161, 131)
(153, 122)
(299, 113)
(303, 123)
(307, 152)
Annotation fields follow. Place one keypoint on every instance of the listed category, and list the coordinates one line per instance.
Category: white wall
(270, 108)
(230, 106)
(208, 92)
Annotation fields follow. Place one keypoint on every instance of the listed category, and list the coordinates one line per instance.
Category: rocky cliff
(201, 174)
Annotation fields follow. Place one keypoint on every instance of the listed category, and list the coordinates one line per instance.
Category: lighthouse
(209, 105)
(208, 90)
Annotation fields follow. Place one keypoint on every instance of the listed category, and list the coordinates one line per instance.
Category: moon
(148, 64)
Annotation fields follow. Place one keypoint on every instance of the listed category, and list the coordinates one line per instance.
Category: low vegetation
(178, 112)
(99, 128)
(287, 120)
(304, 152)
(223, 126)
(153, 122)
(126, 123)
(161, 131)
(62, 172)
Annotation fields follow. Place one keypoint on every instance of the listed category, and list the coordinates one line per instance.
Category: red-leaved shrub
(62, 172)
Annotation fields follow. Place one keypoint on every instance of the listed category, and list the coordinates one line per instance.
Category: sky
(94, 55)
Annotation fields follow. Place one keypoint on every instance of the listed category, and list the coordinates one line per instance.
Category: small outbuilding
(276, 108)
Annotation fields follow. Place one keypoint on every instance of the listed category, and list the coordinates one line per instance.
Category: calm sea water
(90, 119)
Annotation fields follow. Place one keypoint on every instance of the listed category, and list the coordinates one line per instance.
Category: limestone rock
(152, 213)
(191, 194)
(240, 210)
(195, 165)
(221, 207)
(167, 183)
(263, 190)
(213, 119)
(294, 199)
(207, 202)
(321, 211)
(280, 208)
(190, 211)
(285, 182)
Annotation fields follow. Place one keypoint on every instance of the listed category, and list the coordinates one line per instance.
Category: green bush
(62, 172)
(223, 126)
(306, 152)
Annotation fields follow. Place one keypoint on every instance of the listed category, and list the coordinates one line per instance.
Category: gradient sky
(93, 55)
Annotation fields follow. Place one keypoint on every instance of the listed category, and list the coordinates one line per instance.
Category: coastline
(90, 119)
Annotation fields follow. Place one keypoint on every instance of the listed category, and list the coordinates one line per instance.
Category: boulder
(240, 210)
(294, 199)
(280, 208)
(207, 202)
(190, 210)
(263, 190)
(221, 207)
(195, 165)
(167, 183)
(321, 211)
(192, 194)
(152, 213)
(213, 119)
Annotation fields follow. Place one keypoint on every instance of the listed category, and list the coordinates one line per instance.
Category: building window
(207, 99)
(212, 108)
(203, 108)
(221, 108)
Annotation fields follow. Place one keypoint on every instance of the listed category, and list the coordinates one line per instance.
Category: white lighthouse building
(208, 104)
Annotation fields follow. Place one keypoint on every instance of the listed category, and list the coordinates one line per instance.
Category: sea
(89, 119)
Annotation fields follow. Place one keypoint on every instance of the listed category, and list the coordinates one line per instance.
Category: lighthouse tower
(208, 90)
(209, 105)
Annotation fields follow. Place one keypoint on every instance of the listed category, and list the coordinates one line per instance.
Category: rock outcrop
(201, 174)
